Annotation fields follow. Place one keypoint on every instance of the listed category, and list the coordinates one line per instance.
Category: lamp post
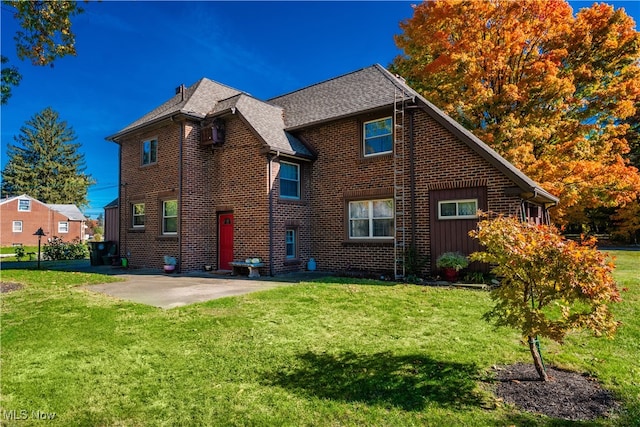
(39, 233)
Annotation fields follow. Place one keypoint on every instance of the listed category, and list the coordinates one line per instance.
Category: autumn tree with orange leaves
(550, 91)
(549, 285)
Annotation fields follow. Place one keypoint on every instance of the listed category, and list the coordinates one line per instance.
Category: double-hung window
(170, 217)
(17, 226)
(371, 219)
(291, 243)
(458, 209)
(289, 180)
(137, 215)
(24, 205)
(149, 152)
(378, 137)
(63, 227)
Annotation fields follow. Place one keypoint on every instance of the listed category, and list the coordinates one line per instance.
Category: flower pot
(450, 274)
(169, 269)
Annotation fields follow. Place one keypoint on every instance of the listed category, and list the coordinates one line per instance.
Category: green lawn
(10, 250)
(329, 353)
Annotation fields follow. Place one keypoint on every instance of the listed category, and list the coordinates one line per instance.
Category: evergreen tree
(46, 163)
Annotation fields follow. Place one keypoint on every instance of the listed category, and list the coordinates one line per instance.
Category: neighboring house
(21, 216)
(351, 172)
(111, 228)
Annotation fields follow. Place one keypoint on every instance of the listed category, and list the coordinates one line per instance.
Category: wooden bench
(253, 267)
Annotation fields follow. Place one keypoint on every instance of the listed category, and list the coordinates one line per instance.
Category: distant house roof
(112, 204)
(70, 211)
(22, 196)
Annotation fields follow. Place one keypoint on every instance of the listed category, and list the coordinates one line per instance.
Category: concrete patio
(167, 291)
(153, 287)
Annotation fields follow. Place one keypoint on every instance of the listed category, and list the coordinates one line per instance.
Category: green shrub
(57, 249)
(20, 253)
(454, 260)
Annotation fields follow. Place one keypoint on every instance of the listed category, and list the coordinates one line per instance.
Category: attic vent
(214, 134)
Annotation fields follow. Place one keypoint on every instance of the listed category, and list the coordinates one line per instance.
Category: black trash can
(97, 250)
(110, 253)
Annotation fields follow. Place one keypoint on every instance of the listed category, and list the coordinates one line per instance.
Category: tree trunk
(537, 360)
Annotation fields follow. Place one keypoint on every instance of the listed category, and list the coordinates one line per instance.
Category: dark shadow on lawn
(407, 382)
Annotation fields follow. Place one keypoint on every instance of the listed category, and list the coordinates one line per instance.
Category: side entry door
(225, 241)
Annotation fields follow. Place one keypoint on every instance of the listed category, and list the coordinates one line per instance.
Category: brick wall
(234, 178)
(341, 174)
(40, 215)
(291, 214)
(149, 184)
(235, 181)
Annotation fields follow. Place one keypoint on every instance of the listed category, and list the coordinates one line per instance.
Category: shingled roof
(267, 121)
(355, 93)
(196, 101)
(70, 211)
(373, 88)
(209, 98)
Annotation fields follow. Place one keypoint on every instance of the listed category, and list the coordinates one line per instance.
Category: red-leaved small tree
(548, 285)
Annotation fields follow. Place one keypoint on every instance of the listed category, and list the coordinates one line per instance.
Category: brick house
(21, 216)
(350, 172)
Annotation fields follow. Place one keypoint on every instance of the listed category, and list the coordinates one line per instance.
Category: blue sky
(132, 56)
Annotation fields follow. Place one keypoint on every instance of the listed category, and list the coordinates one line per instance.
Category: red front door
(225, 241)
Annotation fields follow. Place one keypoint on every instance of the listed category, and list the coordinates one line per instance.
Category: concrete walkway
(166, 291)
(153, 287)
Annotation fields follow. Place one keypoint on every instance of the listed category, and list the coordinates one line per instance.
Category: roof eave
(334, 118)
(172, 117)
(279, 152)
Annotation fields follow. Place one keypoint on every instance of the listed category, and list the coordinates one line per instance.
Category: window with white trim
(63, 227)
(291, 243)
(377, 137)
(170, 217)
(17, 226)
(371, 219)
(458, 209)
(137, 214)
(24, 205)
(289, 180)
(149, 152)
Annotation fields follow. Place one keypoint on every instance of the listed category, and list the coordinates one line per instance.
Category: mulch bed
(9, 286)
(568, 395)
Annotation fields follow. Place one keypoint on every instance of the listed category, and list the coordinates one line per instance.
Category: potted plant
(169, 264)
(451, 263)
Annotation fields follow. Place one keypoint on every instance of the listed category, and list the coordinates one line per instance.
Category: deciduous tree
(45, 35)
(546, 89)
(549, 285)
(10, 77)
(46, 164)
